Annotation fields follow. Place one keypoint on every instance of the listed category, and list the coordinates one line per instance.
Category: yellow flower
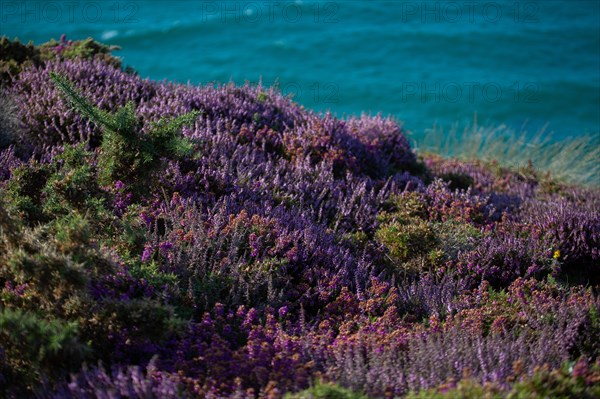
(556, 254)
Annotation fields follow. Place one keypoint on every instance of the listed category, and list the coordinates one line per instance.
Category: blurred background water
(521, 63)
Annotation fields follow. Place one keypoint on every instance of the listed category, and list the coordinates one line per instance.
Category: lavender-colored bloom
(147, 254)
(8, 161)
(131, 382)
(283, 311)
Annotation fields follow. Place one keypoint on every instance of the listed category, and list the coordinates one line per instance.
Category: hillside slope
(256, 248)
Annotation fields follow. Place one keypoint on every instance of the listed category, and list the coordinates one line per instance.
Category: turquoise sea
(522, 63)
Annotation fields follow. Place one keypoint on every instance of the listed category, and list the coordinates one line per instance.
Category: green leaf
(82, 104)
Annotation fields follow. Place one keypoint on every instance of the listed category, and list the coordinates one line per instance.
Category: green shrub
(325, 391)
(45, 193)
(410, 244)
(23, 192)
(464, 389)
(407, 240)
(127, 154)
(574, 380)
(403, 208)
(15, 56)
(35, 347)
(129, 234)
(72, 185)
(455, 237)
(55, 261)
(86, 49)
(152, 273)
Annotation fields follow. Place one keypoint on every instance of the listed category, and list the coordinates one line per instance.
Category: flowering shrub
(16, 55)
(572, 380)
(572, 229)
(128, 382)
(252, 248)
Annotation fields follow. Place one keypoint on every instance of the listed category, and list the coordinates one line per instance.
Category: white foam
(109, 34)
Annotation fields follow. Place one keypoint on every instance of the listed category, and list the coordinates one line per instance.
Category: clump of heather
(225, 242)
(8, 161)
(16, 56)
(572, 228)
(573, 379)
(129, 382)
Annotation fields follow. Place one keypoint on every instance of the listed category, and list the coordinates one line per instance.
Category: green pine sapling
(126, 154)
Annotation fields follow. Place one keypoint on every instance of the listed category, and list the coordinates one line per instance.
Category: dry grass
(573, 161)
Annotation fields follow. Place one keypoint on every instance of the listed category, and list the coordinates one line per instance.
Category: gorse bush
(16, 56)
(56, 271)
(34, 346)
(409, 244)
(574, 379)
(125, 153)
(325, 391)
(166, 240)
(464, 389)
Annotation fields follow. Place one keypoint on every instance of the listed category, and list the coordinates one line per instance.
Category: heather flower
(131, 381)
(147, 254)
(254, 244)
(165, 247)
(122, 198)
(146, 217)
(283, 311)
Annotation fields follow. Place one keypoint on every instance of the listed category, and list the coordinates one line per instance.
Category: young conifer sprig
(127, 154)
(81, 104)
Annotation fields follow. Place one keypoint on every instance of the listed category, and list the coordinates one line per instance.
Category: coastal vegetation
(160, 240)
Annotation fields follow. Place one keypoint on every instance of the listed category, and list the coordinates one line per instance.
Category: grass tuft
(573, 161)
